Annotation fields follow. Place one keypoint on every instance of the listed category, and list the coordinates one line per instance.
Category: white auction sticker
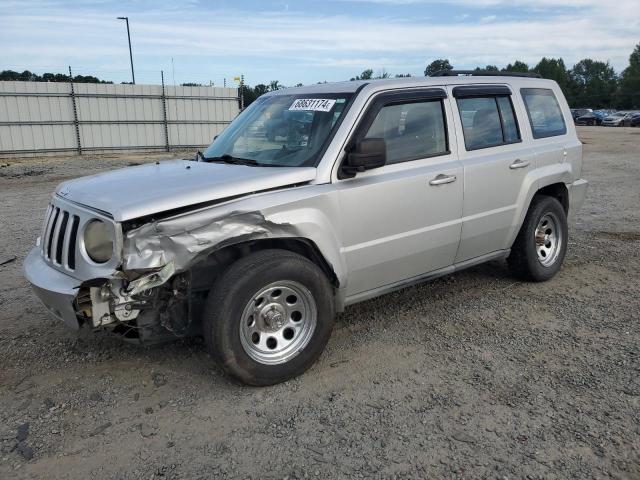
(313, 104)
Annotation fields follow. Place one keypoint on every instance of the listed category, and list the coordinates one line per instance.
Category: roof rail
(483, 73)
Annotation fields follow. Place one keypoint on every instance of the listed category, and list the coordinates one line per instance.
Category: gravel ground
(475, 375)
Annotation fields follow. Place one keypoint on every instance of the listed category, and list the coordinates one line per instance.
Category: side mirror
(368, 153)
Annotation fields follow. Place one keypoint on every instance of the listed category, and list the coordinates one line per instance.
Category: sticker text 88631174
(313, 104)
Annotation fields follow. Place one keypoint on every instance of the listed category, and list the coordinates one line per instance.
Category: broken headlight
(98, 242)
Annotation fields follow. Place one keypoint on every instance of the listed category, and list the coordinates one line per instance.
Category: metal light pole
(133, 76)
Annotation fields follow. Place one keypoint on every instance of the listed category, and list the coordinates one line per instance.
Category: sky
(306, 41)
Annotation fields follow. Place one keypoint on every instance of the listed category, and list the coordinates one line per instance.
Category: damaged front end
(184, 240)
(154, 286)
(151, 296)
(153, 308)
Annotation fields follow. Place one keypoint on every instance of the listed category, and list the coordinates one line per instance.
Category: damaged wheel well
(205, 272)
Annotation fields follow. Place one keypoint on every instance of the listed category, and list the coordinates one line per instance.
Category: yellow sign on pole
(236, 79)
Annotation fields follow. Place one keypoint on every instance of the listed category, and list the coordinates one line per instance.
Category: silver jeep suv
(313, 199)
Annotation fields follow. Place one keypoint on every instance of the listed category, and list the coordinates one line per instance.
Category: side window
(411, 130)
(509, 123)
(488, 121)
(544, 112)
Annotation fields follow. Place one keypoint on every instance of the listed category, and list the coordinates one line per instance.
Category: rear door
(496, 165)
(403, 219)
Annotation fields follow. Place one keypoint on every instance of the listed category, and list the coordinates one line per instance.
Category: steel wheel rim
(278, 322)
(548, 239)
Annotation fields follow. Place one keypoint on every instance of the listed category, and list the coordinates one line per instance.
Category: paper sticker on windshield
(313, 104)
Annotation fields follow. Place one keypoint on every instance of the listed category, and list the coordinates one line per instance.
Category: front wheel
(269, 317)
(541, 244)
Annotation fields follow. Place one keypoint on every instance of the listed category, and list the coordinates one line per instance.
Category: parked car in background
(590, 118)
(578, 112)
(593, 118)
(364, 187)
(631, 120)
(614, 120)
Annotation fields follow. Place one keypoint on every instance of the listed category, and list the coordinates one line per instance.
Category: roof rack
(483, 73)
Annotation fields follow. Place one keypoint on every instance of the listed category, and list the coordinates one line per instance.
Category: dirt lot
(475, 375)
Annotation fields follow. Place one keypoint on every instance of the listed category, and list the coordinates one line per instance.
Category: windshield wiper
(226, 158)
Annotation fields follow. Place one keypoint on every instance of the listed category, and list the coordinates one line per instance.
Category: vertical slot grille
(71, 252)
(62, 230)
(51, 232)
(45, 230)
(59, 237)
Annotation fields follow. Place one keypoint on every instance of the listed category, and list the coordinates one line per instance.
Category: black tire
(235, 288)
(523, 260)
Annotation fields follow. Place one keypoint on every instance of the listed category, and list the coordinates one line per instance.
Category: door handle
(442, 179)
(518, 164)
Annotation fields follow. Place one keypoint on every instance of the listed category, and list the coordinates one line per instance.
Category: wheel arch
(205, 272)
(558, 190)
(550, 186)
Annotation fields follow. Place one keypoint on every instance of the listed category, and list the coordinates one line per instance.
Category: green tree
(555, 69)
(517, 66)
(55, 77)
(594, 84)
(248, 94)
(628, 94)
(260, 89)
(437, 66)
(275, 85)
(252, 93)
(365, 75)
(488, 68)
(27, 76)
(403, 75)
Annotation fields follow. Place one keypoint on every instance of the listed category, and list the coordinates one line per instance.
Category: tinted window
(488, 121)
(509, 123)
(411, 130)
(544, 112)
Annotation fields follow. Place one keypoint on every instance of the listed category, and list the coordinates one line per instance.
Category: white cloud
(266, 41)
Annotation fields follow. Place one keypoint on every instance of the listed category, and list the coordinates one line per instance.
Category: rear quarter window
(543, 110)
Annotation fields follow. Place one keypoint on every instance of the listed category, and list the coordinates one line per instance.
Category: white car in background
(615, 119)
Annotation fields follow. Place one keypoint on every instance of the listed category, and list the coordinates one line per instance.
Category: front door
(403, 220)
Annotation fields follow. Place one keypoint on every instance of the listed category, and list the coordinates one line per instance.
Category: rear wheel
(541, 245)
(269, 317)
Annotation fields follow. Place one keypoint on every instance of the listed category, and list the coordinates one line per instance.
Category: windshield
(280, 131)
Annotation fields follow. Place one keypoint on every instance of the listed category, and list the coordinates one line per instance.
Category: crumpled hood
(134, 192)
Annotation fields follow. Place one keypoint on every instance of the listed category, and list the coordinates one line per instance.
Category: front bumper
(577, 194)
(56, 290)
